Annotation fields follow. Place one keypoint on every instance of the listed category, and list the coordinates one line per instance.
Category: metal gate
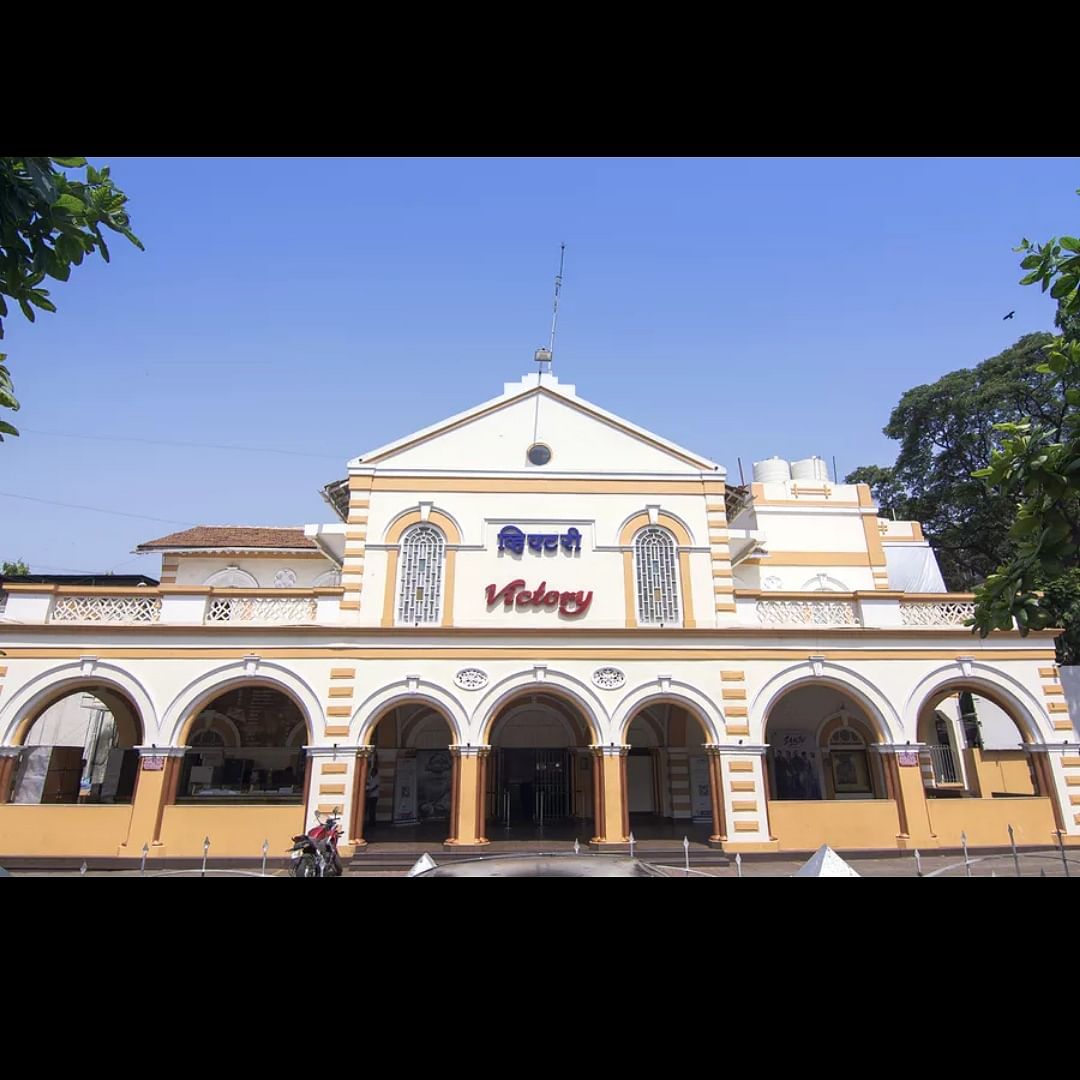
(531, 786)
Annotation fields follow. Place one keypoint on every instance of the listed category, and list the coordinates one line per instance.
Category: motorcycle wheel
(305, 867)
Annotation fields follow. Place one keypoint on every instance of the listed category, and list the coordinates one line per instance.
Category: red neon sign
(516, 595)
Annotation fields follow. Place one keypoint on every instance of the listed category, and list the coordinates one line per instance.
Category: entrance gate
(532, 786)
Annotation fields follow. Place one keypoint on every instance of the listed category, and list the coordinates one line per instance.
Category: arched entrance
(541, 780)
(409, 779)
(831, 775)
(974, 746)
(670, 784)
(244, 746)
(78, 748)
(819, 741)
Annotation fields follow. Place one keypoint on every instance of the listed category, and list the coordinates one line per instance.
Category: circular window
(539, 454)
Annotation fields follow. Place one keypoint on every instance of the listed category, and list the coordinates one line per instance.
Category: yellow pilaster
(155, 786)
(355, 833)
(467, 797)
(612, 822)
(907, 789)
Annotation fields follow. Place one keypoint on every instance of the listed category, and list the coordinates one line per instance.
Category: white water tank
(771, 471)
(811, 468)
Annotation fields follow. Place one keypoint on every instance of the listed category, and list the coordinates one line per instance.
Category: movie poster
(405, 791)
(796, 765)
(433, 785)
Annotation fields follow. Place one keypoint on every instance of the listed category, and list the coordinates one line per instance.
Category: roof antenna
(544, 356)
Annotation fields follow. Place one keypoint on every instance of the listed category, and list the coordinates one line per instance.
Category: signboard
(153, 764)
(515, 595)
(908, 757)
(512, 539)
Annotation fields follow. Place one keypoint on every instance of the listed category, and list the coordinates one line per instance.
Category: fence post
(967, 864)
(142, 864)
(918, 864)
(686, 852)
(205, 852)
(265, 849)
(1064, 861)
(1012, 844)
(738, 864)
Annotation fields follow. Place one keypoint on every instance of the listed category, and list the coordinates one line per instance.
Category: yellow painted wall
(1004, 771)
(848, 825)
(986, 821)
(62, 830)
(234, 831)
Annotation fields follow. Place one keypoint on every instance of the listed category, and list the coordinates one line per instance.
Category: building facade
(534, 619)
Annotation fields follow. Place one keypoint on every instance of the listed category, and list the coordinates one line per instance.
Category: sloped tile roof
(231, 537)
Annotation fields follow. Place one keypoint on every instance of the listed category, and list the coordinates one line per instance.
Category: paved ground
(1035, 864)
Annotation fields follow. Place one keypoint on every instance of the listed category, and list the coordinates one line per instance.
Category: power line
(96, 509)
(184, 445)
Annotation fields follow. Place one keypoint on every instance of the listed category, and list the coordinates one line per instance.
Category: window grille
(420, 590)
(657, 578)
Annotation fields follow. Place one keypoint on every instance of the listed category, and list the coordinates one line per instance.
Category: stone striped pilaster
(720, 552)
(1054, 697)
(744, 797)
(339, 702)
(352, 565)
(734, 703)
(679, 782)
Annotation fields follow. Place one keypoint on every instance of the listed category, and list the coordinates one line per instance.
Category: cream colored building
(537, 619)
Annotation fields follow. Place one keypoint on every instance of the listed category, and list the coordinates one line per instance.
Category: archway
(244, 745)
(819, 741)
(669, 782)
(409, 777)
(78, 747)
(541, 783)
(974, 745)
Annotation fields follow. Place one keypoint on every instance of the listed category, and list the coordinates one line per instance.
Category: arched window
(824, 583)
(850, 764)
(657, 577)
(232, 577)
(420, 589)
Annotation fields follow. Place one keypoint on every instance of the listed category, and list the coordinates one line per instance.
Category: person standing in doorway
(371, 793)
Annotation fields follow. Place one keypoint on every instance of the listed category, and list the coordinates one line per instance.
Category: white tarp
(913, 568)
(825, 863)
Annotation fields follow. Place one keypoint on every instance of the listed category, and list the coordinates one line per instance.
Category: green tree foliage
(946, 431)
(49, 222)
(9, 569)
(1037, 467)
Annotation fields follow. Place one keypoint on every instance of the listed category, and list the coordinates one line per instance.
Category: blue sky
(741, 307)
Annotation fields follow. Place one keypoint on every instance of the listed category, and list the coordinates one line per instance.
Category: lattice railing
(106, 609)
(264, 609)
(808, 613)
(936, 612)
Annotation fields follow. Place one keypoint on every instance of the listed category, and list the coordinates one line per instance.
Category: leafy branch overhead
(1038, 464)
(49, 222)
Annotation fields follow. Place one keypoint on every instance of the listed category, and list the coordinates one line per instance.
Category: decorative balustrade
(261, 609)
(822, 612)
(106, 609)
(936, 612)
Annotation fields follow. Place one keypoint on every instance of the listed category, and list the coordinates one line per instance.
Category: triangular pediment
(496, 436)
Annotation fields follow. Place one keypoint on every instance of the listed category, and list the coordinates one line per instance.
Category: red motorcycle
(315, 853)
